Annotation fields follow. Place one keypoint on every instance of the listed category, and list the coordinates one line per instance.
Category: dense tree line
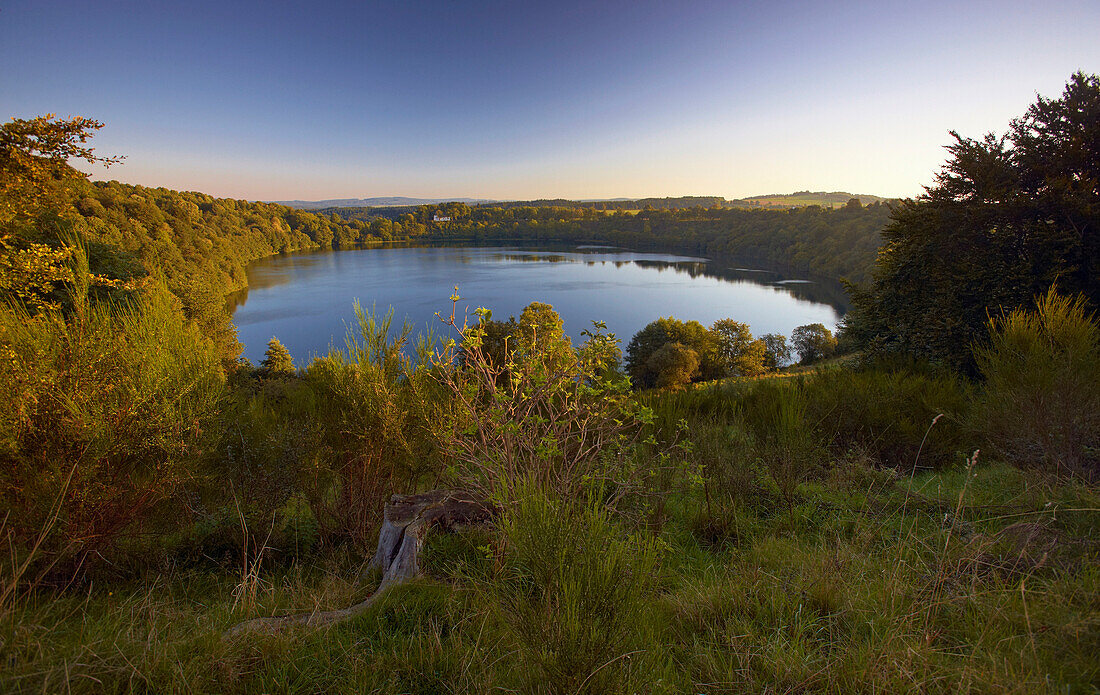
(669, 353)
(831, 243)
(197, 244)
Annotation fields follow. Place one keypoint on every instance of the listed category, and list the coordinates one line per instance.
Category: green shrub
(886, 414)
(560, 416)
(376, 409)
(733, 491)
(789, 445)
(265, 458)
(1040, 405)
(107, 415)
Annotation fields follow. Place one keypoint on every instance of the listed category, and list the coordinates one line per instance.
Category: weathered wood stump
(407, 522)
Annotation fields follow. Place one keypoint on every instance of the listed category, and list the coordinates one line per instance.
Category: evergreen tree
(277, 359)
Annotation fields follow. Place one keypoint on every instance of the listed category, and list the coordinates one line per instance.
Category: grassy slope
(866, 584)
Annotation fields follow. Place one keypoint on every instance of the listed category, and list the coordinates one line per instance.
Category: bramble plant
(559, 418)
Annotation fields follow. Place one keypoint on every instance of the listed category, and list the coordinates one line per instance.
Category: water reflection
(306, 298)
(284, 268)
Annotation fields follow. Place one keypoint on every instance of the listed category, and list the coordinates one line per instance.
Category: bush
(733, 489)
(107, 415)
(882, 413)
(1040, 406)
(885, 412)
(266, 456)
(376, 408)
(550, 413)
(788, 443)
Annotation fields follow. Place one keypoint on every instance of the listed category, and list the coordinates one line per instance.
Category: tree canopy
(736, 353)
(813, 343)
(669, 352)
(1008, 217)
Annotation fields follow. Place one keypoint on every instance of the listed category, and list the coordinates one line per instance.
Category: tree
(35, 153)
(1007, 218)
(542, 331)
(813, 342)
(34, 158)
(656, 335)
(776, 351)
(736, 353)
(673, 365)
(277, 359)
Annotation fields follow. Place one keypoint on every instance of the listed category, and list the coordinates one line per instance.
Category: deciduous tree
(673, 365)
(776, 351)
(813, 342)
(736, 352)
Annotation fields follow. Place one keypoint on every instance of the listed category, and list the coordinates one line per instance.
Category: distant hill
(804, 198)
(382, 202)
(773, 200)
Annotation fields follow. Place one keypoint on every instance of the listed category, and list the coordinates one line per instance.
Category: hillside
(384, 201)
(773, 200)
(803, 198)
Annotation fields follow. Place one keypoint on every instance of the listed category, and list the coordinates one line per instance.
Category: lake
(307, 299)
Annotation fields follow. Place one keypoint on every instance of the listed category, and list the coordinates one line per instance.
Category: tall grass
(1040, 406)
(573, 592)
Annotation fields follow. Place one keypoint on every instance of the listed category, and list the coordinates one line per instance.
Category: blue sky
(523, 100)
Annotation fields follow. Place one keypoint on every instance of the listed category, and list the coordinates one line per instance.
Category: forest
(912, 507)
(833, 243)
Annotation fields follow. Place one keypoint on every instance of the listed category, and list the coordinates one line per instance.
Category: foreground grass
(966, 580)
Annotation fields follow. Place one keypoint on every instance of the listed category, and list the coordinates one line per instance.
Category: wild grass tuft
(1040, 408)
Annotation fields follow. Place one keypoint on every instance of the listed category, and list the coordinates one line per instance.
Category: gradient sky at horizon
(278, 101)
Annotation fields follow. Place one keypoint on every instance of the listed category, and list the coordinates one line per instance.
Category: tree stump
(407, 521)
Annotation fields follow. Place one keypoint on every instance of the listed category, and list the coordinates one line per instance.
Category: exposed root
(408, 519)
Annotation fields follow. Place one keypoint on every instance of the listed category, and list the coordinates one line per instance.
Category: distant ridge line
(771, 200)
(379, 202)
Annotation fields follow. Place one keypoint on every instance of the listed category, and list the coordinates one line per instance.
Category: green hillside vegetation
(803, 198)
(916, 516)
(825, 242)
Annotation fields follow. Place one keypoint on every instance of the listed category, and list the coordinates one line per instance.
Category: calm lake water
(307, 299)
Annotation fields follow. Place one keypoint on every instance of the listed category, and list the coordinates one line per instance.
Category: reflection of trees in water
(284, 268)
(818, 290)
(236, 299)
(694, 269)
(535, 258)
